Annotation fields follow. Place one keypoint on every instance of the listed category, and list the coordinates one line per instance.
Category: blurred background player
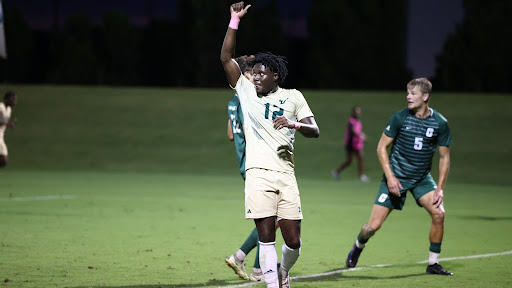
(414, 134)
(272, 115)
(236, 134)
(10, 100)
(354, 144)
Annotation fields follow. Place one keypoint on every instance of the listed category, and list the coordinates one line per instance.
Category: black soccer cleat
(353, 256)
(438, 269)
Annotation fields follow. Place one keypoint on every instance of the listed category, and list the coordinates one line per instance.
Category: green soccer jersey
(415, 142)
(237, 120)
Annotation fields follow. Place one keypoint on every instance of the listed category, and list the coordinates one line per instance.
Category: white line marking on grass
(374, 266)
(39, 198)
(472, 256)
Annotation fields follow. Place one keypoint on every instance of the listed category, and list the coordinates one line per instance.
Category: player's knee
(294, 244)
(3, 161)
(438, 216)
(368, 231)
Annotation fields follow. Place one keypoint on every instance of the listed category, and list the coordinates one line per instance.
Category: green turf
(142, 190)
(174, 230)
(184, 130)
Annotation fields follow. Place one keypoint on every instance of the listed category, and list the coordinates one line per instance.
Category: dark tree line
(350, 45)
(477, 56)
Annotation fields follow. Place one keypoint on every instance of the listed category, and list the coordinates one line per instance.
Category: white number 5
(418, 143)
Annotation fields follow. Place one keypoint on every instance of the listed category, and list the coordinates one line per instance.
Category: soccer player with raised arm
(236, 134)
(272, 116)
(414, 134)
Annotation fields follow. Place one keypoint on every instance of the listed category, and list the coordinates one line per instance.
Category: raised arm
(228, 46)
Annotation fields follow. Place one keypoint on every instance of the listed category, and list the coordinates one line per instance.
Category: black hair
(274, 63)
(244, 62)
(9, 94)
(353, 111)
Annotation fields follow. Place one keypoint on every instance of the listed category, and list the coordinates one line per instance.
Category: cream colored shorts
(271, 193)
(3, 147)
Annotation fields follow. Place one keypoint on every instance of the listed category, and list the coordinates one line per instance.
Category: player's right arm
(394, 185)
(12, 122)
(3, 120)
(228, 46)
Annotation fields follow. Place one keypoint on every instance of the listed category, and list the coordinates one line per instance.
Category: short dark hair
(9, 94)
(353, 111)
(274, 63)
(244, 62)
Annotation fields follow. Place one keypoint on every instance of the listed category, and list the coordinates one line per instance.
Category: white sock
(240, 256)
(288, 258)
(268, 263)
(359, 245)
(433, 258)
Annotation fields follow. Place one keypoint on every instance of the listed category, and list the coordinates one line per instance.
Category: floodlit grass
(135, 187)
(158, 230)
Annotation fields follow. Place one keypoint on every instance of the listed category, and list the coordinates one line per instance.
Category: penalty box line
(376, 266)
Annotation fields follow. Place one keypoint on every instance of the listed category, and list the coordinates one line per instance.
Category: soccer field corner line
(374, 266)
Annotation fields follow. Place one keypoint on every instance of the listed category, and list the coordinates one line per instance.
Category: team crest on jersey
(283, 101)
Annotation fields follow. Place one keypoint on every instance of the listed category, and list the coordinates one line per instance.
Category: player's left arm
(444, 168)
(306, 126)
(230, 131)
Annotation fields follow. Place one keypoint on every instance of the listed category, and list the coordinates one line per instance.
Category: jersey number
(418, 143)
(275, 114)
(235, 125)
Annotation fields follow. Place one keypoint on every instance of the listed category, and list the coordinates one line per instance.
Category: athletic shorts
(417, 188)
(271, 193)
(3, 147)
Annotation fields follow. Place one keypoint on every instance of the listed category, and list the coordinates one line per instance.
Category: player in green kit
(414, 133)
(236, 134)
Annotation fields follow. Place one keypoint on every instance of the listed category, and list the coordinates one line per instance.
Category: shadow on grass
(341, 276)
(336, 277)
(485, 218)
(210, 283)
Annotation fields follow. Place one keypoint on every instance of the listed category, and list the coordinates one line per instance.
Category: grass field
(135, 187)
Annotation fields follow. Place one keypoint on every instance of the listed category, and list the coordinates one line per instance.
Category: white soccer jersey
(263, 141)
(5, 114)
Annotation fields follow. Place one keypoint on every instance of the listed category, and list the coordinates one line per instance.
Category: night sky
(429, 21)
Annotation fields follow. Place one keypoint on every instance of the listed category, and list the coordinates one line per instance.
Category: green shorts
(417, 188)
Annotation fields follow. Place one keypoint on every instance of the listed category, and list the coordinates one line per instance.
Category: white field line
(38, 198)
(375, 266)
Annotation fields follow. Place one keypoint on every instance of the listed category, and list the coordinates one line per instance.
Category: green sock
(361, 240)
(257, 260)
(250, 242)
(435, 247)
